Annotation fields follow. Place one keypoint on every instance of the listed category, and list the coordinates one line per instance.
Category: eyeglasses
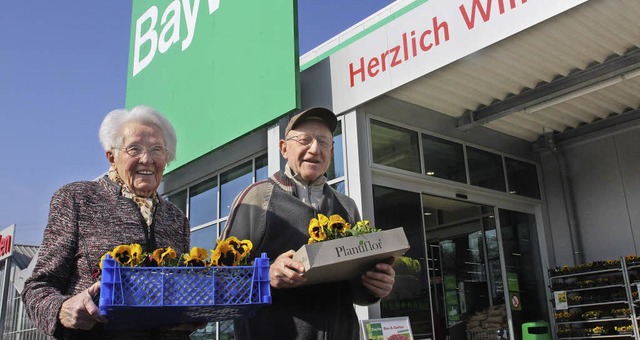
(306, 140)
(155, 151)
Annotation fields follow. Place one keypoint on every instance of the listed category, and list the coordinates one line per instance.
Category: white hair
(111, 135)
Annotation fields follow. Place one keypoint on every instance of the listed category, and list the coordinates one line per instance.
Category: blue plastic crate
(151, 297)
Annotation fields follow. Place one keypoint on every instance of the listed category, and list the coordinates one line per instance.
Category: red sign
(6, 242)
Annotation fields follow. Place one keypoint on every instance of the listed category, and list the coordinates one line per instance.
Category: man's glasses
(306, 140)
(155, 151)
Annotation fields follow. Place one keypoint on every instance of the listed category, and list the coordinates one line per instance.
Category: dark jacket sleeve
(43, 291)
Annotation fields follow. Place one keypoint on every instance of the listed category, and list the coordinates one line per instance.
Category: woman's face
(143, 172)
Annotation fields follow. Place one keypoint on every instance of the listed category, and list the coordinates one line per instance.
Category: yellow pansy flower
(160, 255)
(224, 254)
(197, 257)
(242, 248)
(122, 254)
(136, 254)
(316, 230)
(338, 224)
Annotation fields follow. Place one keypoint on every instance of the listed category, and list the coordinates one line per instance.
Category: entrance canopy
(571, 74)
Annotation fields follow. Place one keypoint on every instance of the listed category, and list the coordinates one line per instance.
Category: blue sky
(63, 66)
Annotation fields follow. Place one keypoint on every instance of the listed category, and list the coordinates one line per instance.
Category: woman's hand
(380, 280)
(285, 272)
(80, 312)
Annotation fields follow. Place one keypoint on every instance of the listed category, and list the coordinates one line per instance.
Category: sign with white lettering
(426, 38)
(216, 68)
(398, 328)
(6, 242)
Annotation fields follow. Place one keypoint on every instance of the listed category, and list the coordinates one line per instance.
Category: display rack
(596, 300)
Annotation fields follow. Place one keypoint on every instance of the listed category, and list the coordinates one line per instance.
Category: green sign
(374, 331)
(450, 282)
(216, 68)
(512, 281)
(452, 305)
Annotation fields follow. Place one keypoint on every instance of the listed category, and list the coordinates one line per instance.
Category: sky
(63, 67)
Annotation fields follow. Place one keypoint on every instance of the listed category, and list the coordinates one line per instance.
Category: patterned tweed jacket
(86, 220)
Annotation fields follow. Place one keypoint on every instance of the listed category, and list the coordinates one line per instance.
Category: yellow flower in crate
(128, 255)
(597, 330)
(623, 329)
(563, 316)
(223, 255)
(242, 248)
(231, 252)
(136, 254)
(197, 257)
(592, 314)
(632, 258)
(161, 255)
(621, 312)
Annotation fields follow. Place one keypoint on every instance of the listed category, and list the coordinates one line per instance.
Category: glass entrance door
(473, 271)
(465, 269)
(484, 269)
(522, 265)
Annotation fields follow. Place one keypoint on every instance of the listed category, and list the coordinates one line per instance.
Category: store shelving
(595, 300)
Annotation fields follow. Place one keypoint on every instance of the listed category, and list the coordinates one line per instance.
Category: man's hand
(286, 272)
(379, 281)
(80, 312)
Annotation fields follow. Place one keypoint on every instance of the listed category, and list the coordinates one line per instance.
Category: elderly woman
(88, 219)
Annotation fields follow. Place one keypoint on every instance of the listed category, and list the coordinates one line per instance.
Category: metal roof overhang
(572, 74)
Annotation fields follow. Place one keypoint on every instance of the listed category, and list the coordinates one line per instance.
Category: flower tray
(349, 257)
(152, 297)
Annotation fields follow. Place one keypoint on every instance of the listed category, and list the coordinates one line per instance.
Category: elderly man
(274, 214)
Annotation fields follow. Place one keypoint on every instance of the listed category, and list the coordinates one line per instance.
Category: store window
(410, 294)
(522, 178)
(339, 187)
(203, 202)
(398, 147)
(179, 200)
(231, 183)
(485, 169)
(395, 146)
(200, 201)
(443, 159)
(336, 169)
(262, 168)
(205, 237)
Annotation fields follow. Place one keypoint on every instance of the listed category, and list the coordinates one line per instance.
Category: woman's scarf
(145, 204)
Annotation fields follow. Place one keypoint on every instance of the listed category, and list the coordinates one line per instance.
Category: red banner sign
(6, 242)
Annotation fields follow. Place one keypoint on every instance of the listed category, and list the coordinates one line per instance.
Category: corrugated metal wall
(605, 178)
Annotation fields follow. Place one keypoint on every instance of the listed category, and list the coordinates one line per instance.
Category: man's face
(310, 161)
